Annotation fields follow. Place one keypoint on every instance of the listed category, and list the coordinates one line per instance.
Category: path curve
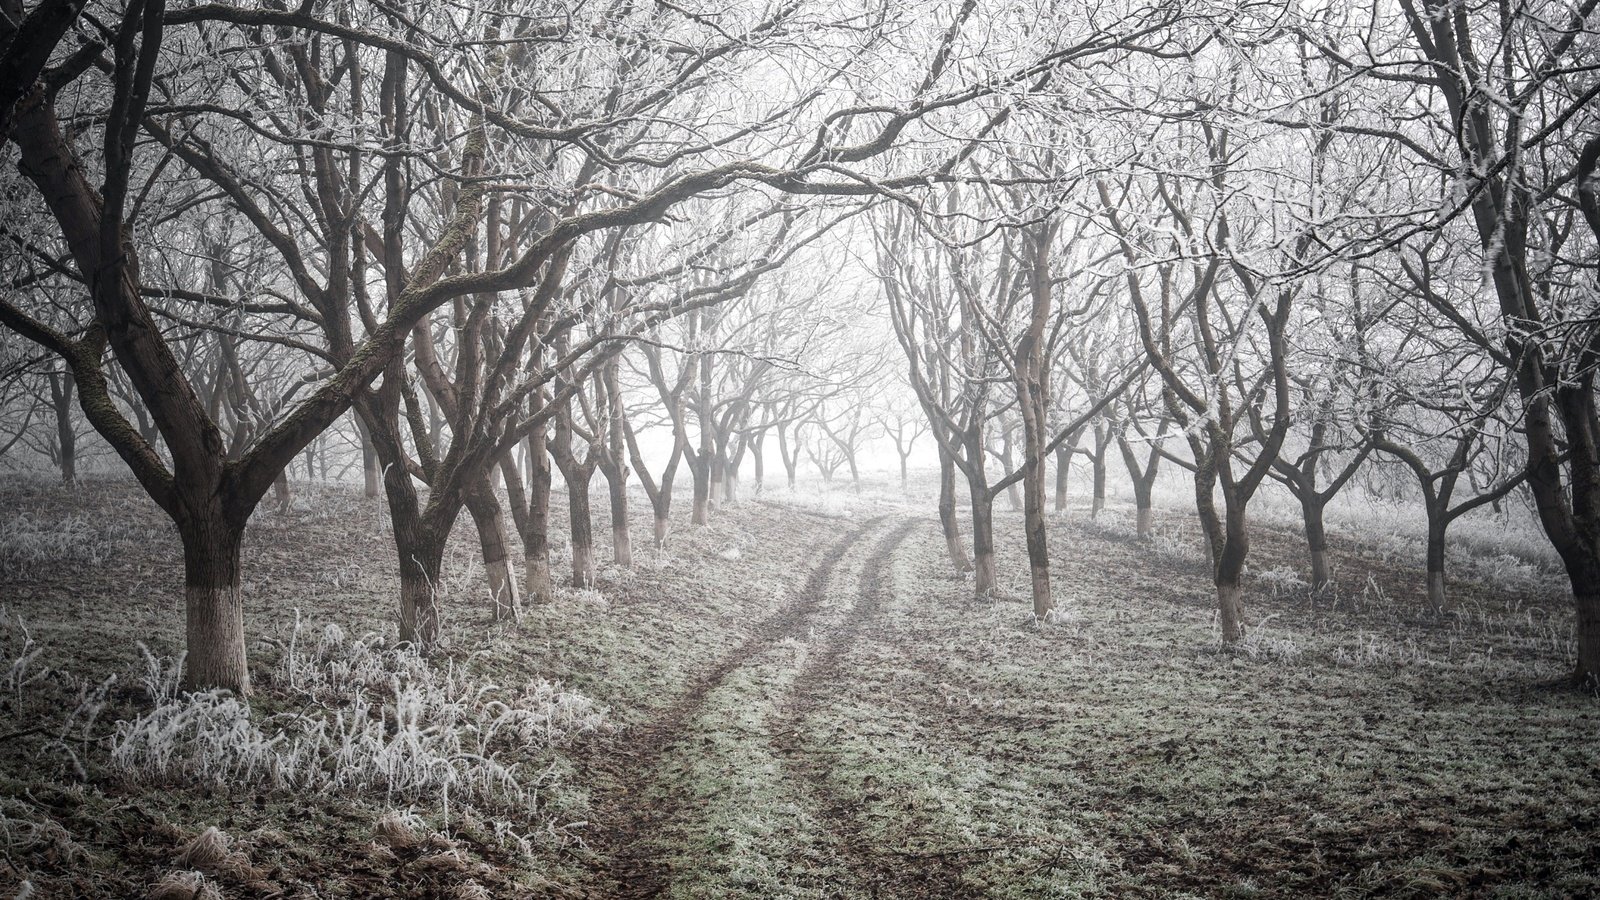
(633, 869)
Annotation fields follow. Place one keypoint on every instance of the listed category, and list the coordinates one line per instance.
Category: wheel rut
(876, 874)
(633, 870)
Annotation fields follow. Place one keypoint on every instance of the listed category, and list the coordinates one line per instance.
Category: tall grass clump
(371, 719)
(30, 547)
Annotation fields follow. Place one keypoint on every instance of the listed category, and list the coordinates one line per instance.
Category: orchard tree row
(470, 249)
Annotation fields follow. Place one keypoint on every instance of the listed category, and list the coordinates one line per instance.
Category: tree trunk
(1143, 503)
(536, 531)
(790, 464)
(61, 386)
(1316, 541)
(614, 465)
(371, 472)
(1102, 440)
(582, 529)
(1007, 460)
(281, 492)
(1587, 599)
(701, 469)
(1230, 566)
(489, 518)
(420, 551)
(421, 561)
(662, 526)
(621, 539)
(1063, 471)
(755, 458)
(947, 515)
(1436, 565)
(1205, 503)
(214, 608)
(1033, 512)
(1230, 608)
(1143, 478)
(983, 580)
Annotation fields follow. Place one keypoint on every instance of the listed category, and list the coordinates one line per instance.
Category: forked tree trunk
(419, 544)
(419, 549)
(1143, 477)
(790, 464)
(662, 528)
(948, 521)
(61, 387)
(214, 608)
(489, 518)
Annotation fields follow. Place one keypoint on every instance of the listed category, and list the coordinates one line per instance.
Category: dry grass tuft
(183, 886)
(470, 890)
(395, 831)
(213, 852)
(443, 861)
(206, 851)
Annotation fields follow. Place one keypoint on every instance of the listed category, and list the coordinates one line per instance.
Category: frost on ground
(871, 731)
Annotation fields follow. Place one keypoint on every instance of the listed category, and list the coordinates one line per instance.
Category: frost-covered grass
(1351, 746)
(381, 721)
(30, 547)
(1354, 745)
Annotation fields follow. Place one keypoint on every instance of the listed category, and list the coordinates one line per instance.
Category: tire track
(875, 872)
(633, 869)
